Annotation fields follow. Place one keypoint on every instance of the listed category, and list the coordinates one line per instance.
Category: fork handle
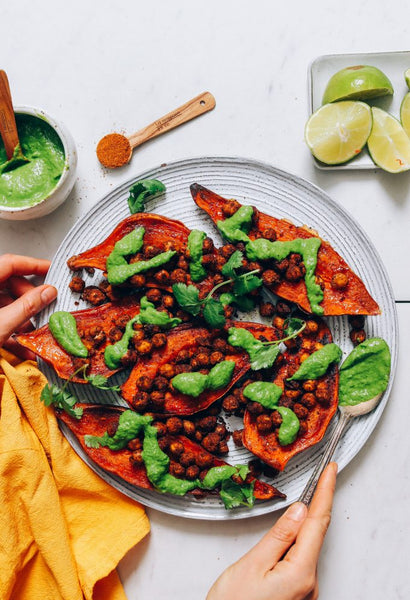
(310, 487)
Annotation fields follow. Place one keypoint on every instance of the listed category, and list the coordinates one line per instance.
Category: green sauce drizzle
(318, 363)
(63, 328)
(262, 249)
(235, 228)
(289, 427)
(131, 424)
(118, 270)
(195, 244)
(365, 372)
(264, 392)
(194, 384)
(148, 315)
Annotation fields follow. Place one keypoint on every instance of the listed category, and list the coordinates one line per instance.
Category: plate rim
(255, 164)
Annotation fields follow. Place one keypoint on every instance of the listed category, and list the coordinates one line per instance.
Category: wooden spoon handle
(8, 128)
(195, 107)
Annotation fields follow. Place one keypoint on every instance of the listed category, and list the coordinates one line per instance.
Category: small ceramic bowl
(64, 185)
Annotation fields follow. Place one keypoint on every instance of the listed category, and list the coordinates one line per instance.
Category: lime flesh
(388, 143)
(405, 113)
(357, 83)
(407, 77)
(337, 132)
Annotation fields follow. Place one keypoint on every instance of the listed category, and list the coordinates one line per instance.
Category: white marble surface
(110, 66)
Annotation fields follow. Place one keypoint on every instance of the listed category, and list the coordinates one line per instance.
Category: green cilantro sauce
(318, 363)
(264, 392)
(132, 424)
(24, 184)
(365, 372)
(63, 328)
(262, 249)
(148, 315)
(289, 427)
(195, 244)
(235, 229)
(193, 384)
(118, 270)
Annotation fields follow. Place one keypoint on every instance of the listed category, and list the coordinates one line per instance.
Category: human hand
(19, 298)
(283, 565)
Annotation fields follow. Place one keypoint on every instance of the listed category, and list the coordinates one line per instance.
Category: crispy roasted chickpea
(227, 250)
(230, 404)
(237, 437)
(282, 265)
(203, 460)
(187, 458)
(357, 336)
(174, 425)
(162, 276)
(167, 370)
(207, 246)
(300, 411)
(292, 394)
(308, 400)
(154, 295)
(207, 423)
(221, 430)
(176, 448)
(158, 340)
(216, 357)
(293, 273)
(182, 263)
(138, 281)
(164, 442)
(145, 383)
(263, 423)
(178, 276)
(269, 234)
(322, 393)
(115, 334)
(177, 470)
(309, 385)
(168, 301)
(160, 427)
(129, 358)
(211, 442)
(157, 399)
(283, 309)
(222, 447)
(339, 281)
(311, 328)
(276, 419)
(198, 436)
(140, 401)
(254, 408)
(135, 444)
(266, 309)
(94, 295)
(77, 285)
(160, 383)
(136, 459)
(192, 472)
(188, 428)
(144, 347)
(270, 277)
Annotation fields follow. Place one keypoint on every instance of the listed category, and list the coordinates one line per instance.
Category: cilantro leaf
(62, 399)
(245, 284)
(234, 494)
(294, 325)
(141, 191)
(234, 262)
(214, 313)
(263, 357)
(100, 382)
(187, 297)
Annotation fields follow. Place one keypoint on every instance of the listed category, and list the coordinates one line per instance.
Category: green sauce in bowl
(26, 184)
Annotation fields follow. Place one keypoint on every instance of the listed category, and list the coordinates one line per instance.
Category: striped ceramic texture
(274, 192)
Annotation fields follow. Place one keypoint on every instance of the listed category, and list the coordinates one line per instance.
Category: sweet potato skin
(43, 344)
(184, 338)
(353, 300)
(97, 419)
(266, 446)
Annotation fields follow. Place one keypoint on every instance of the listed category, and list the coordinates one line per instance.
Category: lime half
(407, 77)
(388, 143)
(335, 133)
(357, 83)
(405, 113)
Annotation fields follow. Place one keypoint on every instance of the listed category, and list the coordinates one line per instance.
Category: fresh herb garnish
(100, 382)
(187, 296)
(142, 191)
(62, 399)
(263, 354)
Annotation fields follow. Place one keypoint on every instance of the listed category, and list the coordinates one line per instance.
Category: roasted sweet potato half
(188, 348)
(314, 402)
(344, 292)
(94, 326)
(96, 420)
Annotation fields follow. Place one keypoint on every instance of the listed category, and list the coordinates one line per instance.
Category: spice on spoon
(115, 150)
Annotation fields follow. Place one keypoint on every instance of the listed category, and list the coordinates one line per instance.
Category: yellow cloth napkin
(63, 530)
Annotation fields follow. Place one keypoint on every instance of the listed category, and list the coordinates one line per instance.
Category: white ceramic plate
(272, 191)
(393, 64)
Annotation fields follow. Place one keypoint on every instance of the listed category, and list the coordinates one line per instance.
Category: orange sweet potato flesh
(266, 446)
(96, 420)
(353, 300)
(188, 338)
(43, 344)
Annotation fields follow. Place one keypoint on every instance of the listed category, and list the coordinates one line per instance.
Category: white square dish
(393, 64)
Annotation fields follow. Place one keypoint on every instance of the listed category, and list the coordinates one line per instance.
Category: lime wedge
(357, 83)
(407, 77)
(335, 133)
(388, 143)
(405, 113)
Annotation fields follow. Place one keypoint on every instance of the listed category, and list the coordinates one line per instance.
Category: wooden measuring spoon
(115, 150)
(8, 127)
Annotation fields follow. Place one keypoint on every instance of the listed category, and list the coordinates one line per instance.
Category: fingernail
(48, 294)
(297, 512)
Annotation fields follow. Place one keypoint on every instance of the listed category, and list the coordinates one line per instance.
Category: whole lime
(360, 82)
